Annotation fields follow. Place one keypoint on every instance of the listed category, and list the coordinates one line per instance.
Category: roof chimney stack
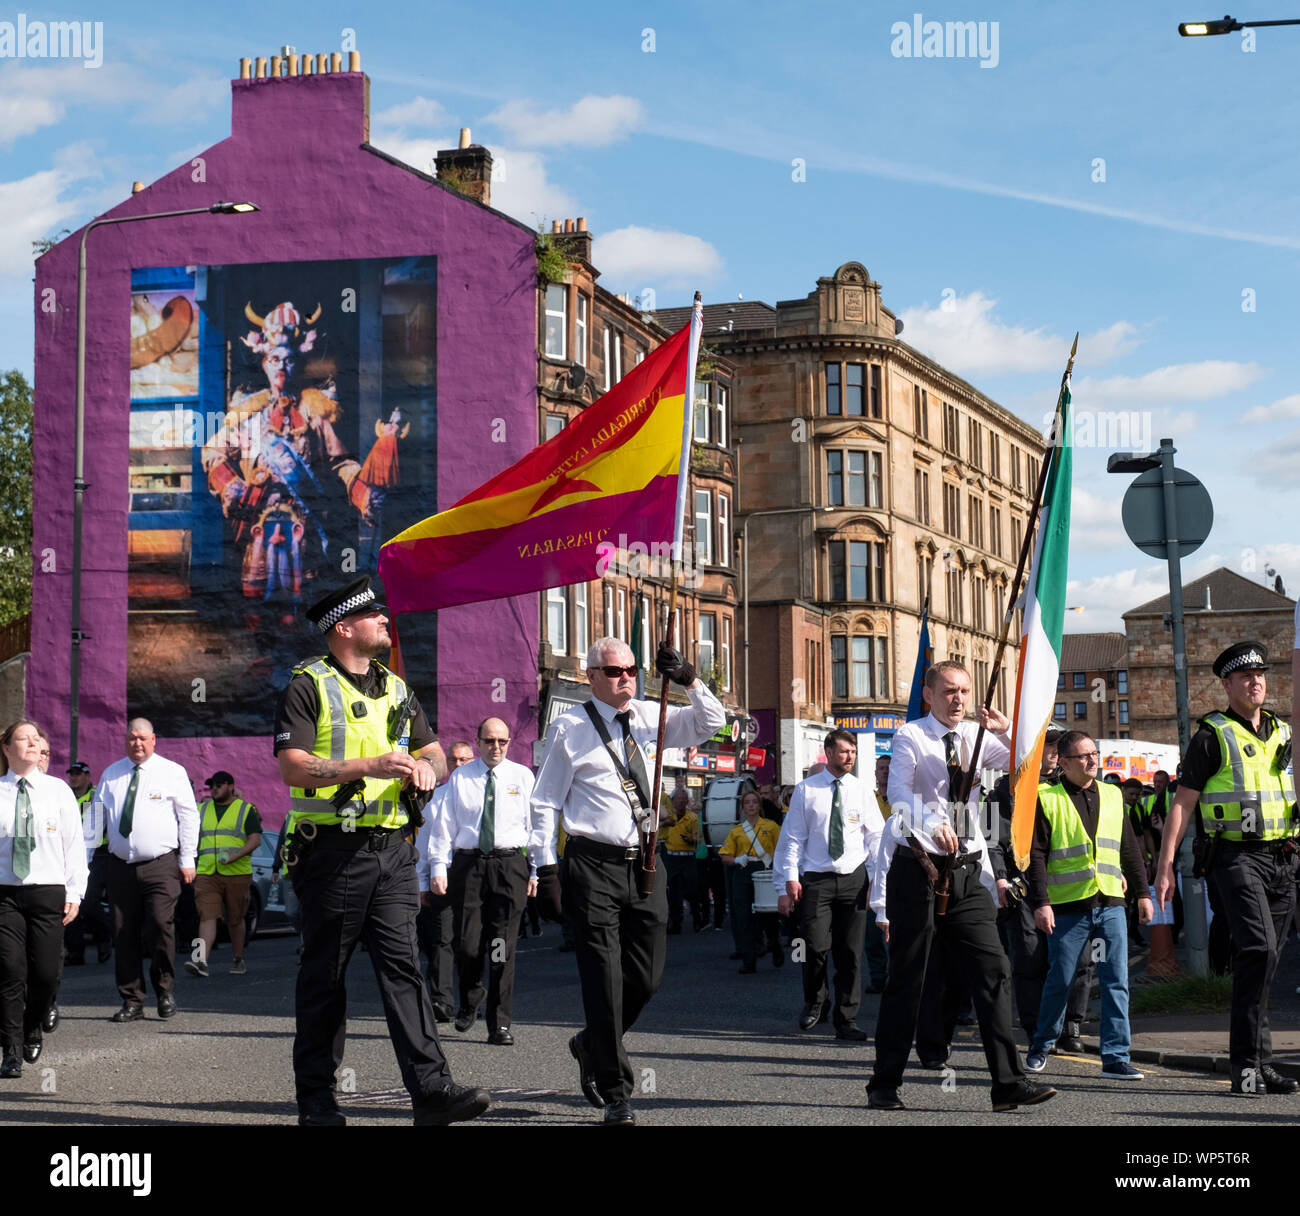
(467, 169)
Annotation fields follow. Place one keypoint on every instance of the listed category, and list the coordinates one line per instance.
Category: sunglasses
(613, 673)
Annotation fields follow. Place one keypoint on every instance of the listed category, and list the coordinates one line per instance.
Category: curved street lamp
(79, 462)
(1228, 25)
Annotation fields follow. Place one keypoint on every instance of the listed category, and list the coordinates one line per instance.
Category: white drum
(721, 810)
(765, 893)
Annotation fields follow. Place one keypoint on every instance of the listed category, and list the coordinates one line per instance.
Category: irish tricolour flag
(1040, 641)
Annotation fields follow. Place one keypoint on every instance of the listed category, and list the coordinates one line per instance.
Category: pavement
(1199, 1041)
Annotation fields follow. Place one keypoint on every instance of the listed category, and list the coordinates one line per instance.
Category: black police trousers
(349, 894)
(1257, 887)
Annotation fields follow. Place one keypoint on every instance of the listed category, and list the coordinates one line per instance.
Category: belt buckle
(373, 841)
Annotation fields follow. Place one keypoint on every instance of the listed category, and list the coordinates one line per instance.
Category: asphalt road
(714, 1048)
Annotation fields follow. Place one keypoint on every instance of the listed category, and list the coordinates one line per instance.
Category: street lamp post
(1203, 29)
(79, 462)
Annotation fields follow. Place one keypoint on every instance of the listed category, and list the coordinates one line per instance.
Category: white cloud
(670, 259)
(520, 188)
(418, 112)
(965, 333)
(418, 153)
(33, 208)
(1284, 407)
(1095, 522)
(1106, 597)
(591, 122)
(1177, 382)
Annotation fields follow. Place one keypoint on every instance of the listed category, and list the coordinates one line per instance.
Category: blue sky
(977, 195)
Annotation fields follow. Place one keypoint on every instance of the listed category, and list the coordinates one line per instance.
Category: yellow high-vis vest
(223, 829)
(1078, 868)
(1247, 799)
(349, 726)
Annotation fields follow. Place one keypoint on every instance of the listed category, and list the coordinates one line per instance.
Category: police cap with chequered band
(330, 609)
(1244, 656)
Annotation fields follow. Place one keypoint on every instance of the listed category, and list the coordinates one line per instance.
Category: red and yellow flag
(609, 479)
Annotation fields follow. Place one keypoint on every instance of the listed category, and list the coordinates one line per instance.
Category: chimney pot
(276, 61)
(1208, 606)
(322, 64)
(336, 61)
(261, 67)
(556, 226)
(354, 61)
(293, 65)
(568, 225)
(308, 65)
(245, 69)
(136, 187)
(464, 137)
(582, 223)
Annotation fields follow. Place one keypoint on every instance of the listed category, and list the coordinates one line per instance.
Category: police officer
(348, 736)
(1236, 772)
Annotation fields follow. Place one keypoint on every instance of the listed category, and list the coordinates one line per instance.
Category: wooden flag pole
(646, 883)
(1026, 548)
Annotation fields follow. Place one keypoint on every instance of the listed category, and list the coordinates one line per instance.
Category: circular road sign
(1144, 512)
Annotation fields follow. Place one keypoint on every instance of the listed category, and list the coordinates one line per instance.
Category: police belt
(953, 862)
(1258, 846)
(336, 838)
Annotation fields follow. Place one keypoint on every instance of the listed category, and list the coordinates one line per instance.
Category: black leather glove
(672, 663)
(549, 904)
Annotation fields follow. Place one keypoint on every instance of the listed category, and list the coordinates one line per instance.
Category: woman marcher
(42, 880)
(748, 850)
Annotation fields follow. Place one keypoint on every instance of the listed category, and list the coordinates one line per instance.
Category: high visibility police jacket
(1077, 867)
(1248, 798)
(223, 828)
(350, 725)
(84, 802)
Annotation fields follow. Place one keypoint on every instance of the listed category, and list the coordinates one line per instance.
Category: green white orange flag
(609, 479)
(1040, 642)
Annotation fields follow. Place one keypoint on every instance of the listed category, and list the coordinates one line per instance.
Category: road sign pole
(1195, 929)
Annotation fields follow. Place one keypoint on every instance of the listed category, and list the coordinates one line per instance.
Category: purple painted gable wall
(296, 149)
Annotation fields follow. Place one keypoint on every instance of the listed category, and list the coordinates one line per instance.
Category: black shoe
(735, 956)
(441, 1013)
(1276, 1082)
(74, 960)
(586, 1072)
(32, 1050)
(935, 1063)
(128, 1013)
(748, 969)
(455, 1104)
(1024, 1094)
(166, 1005)
(1070, 1040)
(854, 1034)
(50, 1022)
(884, 1099)
(105, 951)
(619, 1113)
(327, 1115)
(465, 1018)
(502, 1037)
(13, 1063)
(968, 1019)
(811, 1017)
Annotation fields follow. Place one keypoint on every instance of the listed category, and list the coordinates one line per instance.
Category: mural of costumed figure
(278, 466)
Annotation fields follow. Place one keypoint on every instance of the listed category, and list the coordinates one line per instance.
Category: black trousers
(711, 882)
(942, 996)
(683, 883)
(90, 917)
(969, 938)
(751, 929)
(143, 901)
(31, 949)
(487, 894)
(435, 926)
(1257, 887)
(833, 921)
(348, 895)
(620, 938)
(1026, 946)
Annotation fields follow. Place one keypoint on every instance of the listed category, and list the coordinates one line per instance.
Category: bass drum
(722, 807)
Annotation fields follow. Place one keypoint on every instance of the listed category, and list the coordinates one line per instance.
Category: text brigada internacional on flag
(611, 473)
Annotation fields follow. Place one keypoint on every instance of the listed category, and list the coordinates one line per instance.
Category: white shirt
(58, 857)
(803, 846)
(578, 778)
(918, 792)
(164, 818)
(460, 819)
(431, 812)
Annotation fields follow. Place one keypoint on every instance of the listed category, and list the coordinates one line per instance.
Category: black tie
(632, 755)
(956, 775)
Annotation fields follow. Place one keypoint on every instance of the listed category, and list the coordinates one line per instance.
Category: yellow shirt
(684, 835)
(885, 809)
(738, 843)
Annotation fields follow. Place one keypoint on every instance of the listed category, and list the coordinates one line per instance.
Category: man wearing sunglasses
(596, 776)
(1085, 856)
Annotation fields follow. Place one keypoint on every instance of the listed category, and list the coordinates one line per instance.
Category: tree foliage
(15, 497)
